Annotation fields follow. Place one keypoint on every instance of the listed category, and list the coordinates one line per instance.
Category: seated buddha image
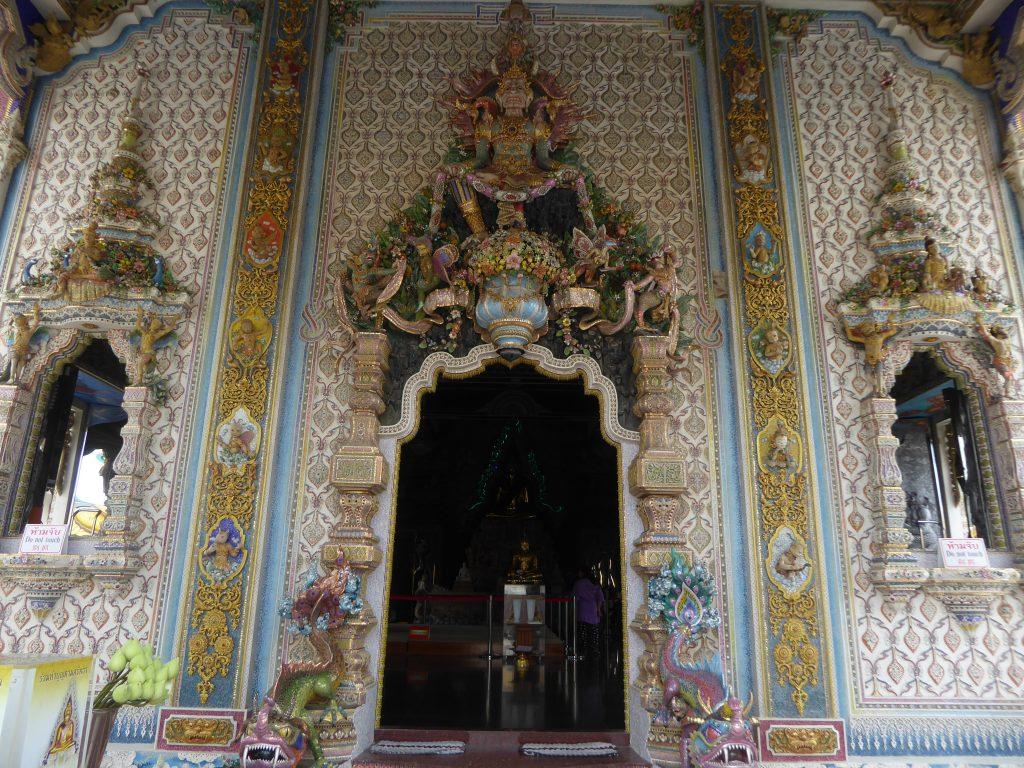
(512, 499)
(525, 567)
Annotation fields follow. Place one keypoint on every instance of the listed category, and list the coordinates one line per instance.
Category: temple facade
(251, 252)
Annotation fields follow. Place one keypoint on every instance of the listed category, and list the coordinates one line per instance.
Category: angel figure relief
(1003, 358)
(592, 255)
(21, 334)
(150, 334)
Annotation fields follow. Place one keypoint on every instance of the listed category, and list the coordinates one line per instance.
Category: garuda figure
(512, 131)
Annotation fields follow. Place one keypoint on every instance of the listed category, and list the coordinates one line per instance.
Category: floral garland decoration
(244, 12)
(513, 250)
(789, 24)
(342, 14)
(123, 263)
(629, 258)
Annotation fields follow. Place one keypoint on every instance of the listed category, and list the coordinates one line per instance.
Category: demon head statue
(272, 740)
(725, 738)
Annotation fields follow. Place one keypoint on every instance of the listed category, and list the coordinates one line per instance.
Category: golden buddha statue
(63, 737)
(525, 568)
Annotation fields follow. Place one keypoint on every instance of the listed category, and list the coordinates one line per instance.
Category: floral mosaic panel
(921, 654)
(190, 107)
(389, 134)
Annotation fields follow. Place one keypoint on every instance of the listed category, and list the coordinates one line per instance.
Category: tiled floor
(473, 694)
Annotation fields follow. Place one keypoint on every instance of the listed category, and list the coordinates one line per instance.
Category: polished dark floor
(472, 693)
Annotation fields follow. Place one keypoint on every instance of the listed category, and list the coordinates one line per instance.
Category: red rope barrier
(463, 599)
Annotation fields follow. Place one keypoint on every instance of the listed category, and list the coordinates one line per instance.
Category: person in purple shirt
(589, 605)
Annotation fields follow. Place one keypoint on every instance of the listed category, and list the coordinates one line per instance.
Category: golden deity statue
(63, 737)
(511, 116)
(933, 278)
(512, 148)
(525, 568)
(80, 281)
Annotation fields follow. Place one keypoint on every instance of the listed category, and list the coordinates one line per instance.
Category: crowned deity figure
(79, 279)
(512, 147)
(511, 116)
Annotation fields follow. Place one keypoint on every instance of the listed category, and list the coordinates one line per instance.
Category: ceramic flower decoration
(138, 678)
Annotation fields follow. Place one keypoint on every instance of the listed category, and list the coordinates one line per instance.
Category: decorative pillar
(894, 566)
(657, 477)
(15, 416)
(360, 473)
(117, 547)
(221, 601)
(1007, 418)
(783, 514)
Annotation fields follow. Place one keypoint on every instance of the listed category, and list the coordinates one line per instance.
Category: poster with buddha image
(56, 716)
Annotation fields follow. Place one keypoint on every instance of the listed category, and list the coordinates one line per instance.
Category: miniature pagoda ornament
(507, 233)
(109, 273)
(114, 252)
(918, 289)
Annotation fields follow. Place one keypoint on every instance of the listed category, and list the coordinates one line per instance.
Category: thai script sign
(44, 539)
(963, 553)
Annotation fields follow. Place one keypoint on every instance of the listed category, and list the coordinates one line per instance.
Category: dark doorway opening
(498, 458)
(938, 456)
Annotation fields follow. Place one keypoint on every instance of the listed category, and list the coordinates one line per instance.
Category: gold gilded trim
(782, 490)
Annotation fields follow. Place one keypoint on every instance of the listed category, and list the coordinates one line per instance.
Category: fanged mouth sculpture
(732, 755)
(265, 756)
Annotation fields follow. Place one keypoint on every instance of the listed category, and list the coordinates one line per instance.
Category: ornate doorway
(501, 463)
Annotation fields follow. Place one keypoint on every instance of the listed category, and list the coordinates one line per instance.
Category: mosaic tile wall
(192, 108)
(921, 655)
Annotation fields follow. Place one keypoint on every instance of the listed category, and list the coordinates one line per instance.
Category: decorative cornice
(968, 593)
(47, 578)
(425, 380)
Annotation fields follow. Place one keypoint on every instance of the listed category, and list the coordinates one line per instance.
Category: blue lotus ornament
(514, 269)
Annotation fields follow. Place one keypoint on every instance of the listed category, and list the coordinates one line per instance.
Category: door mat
(389, 747)
(578, 749)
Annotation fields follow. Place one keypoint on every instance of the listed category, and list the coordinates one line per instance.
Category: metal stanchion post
(563, 609)
(575, 650)
(490, 631)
